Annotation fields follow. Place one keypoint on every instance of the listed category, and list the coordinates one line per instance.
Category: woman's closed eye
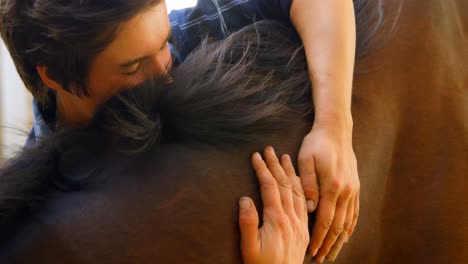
(135, 69)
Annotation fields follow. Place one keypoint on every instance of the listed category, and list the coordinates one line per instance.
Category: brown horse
(411, 140)
(168, 165)
(172, 204)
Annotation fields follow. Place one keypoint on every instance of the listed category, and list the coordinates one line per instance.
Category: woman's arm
(327, 29)
(326, 159)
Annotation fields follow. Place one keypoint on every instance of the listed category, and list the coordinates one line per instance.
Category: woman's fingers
(324, 219)
(335, 229)
(288, 167)
(349, 216)
(335, 250)
(355, 215)
(307, 172)
(248, 222)
(284, 235)
(268, 186)
(299, 202)
(283, 181)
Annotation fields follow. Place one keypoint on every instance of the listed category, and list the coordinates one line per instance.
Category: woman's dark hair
(65, 36)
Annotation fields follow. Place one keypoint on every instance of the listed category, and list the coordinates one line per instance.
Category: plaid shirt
(209, 18)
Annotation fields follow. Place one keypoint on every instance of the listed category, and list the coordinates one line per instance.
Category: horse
(169, 160)
(140, 186)
(410, 109)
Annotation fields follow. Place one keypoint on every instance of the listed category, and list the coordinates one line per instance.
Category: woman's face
(139, 51)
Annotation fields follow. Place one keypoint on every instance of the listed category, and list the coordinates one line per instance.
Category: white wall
(15, 106)
(179, 4)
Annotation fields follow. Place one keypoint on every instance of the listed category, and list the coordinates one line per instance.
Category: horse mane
(235, 91)
(231, 91)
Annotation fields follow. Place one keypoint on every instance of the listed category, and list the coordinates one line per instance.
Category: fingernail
(244, 203)
(310, 206)
(347, 239)
(315, 252)
(257, 155)
(270, 148)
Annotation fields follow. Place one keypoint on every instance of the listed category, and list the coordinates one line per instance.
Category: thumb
(309, 183)
(248, 222)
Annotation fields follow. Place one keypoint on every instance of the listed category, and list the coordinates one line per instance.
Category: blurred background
(15, 100)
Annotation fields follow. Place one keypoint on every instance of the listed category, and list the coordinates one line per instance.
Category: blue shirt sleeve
(216, 19)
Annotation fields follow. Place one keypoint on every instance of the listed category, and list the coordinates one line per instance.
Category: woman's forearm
(328, 31)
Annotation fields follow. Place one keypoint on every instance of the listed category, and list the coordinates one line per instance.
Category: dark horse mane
(235, 91)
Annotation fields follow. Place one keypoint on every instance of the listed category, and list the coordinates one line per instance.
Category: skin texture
(326, 154)
(284, 235)
(327, 163)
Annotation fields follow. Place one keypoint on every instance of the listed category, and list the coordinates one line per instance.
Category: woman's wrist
(342, 121)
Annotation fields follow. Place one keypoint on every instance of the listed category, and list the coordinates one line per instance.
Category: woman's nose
(161, 63)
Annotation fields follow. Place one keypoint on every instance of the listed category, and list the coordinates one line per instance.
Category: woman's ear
(48, 81)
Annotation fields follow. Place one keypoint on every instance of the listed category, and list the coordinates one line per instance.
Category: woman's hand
(284, 235)
(328, 170)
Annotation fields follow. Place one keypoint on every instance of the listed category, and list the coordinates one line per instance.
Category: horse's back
(164, 208)
(411, 140)
(174, 205)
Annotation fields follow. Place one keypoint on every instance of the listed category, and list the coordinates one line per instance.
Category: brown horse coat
(411, 140)
(410, 112)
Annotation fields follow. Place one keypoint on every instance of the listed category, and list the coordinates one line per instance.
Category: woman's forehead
(140, 36)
